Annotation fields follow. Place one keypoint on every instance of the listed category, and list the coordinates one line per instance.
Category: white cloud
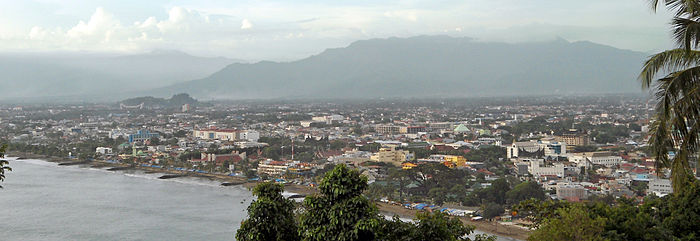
(276, 29)
(245, 24)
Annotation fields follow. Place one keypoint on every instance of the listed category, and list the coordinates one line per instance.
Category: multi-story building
(142, 135)
(272, 168)
(574, 138)
(659, 187)
(454, 160)
(536, 149)
(571, 192)
(538, 168)
(387, 129)
(227, 135)
(391, 155)
(604, 158)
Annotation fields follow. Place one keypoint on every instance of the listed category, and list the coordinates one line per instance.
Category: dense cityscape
(472, 157)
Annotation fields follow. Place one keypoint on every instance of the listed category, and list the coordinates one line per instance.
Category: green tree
(574, 224)
(492, 210)
(438, 226)
(339, 212)
(525, 191)
(676, 124)
(270, 217)
(3, 164)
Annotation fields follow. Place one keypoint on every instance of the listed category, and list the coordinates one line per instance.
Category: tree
(574, 224)
(3, 164)
(270, 217)
(438, 194)
(676, 124)
(339, 212)
(438, 226)
(492, 210)
(525, 191)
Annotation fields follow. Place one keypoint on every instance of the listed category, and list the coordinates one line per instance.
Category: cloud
(245, 24)
(291, 30)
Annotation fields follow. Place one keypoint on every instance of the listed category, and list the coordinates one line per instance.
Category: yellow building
(408, 165)
(456, 160)
(390, 155)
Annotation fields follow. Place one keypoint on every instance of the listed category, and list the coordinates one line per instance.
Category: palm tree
(676, 125)
(3, 164)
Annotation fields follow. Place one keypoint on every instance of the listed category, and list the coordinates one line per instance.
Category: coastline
(488, 227)
(484, 226)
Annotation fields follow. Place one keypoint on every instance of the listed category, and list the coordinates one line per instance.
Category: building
(536, 149)
(413, 129)
(391, 156)
(452, 159)
(659, 187)
(538, 168)
(248, 135)
(387, 129)
(216, 134)
(574, 138)
(142, 135)
(604, 158)
(571, 192)
(227, 135)
(103, 150)
(461, 129)
(272, 168)
(186, 108)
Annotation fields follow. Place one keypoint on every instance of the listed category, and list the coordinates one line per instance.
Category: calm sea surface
(43, 201)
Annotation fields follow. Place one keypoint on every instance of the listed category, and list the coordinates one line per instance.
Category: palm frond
(668, 61)
(686, 32)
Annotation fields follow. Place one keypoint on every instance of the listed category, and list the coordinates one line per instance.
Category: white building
(660, 187)
(548, 148)
(103, 150)
(249, 135)
(537, 168)
(604, 158)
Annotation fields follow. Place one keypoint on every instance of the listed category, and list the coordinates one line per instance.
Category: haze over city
(386, 120)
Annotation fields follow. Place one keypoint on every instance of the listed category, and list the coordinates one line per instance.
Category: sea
(43, 201)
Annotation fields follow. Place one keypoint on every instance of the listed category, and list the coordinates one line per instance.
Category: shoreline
(483, 226)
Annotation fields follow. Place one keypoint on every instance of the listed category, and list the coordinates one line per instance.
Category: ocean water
(44, 201)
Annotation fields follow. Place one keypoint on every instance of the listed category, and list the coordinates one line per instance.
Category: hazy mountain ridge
(28, 75)
(176, 101)
(429, 66)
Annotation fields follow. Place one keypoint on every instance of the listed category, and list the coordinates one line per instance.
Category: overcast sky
(287, 29)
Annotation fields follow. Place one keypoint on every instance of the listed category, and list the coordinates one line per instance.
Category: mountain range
(429, 66)
(60, 75)
(422, 66)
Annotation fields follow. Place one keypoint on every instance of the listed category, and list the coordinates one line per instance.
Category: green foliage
(270, 217)
(539, 211)
(525, 191)
(676, 124)
(340, 212)
(673, 217)
(486, 153)
(492, 210)
(574, 224)
(3, 164)
(439, 226)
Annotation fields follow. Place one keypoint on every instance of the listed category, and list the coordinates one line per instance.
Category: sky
(288, 29)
